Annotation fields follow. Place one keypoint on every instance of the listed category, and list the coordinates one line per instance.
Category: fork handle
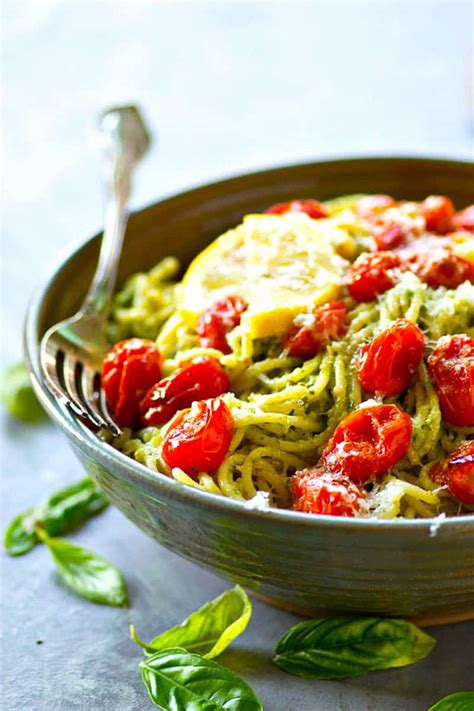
(127, 140)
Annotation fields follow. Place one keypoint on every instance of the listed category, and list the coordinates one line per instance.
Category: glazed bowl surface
(312, 564)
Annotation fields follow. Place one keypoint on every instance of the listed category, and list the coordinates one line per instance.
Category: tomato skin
(328, 324)
(373, 205)
(456, 473)
(129, 370)
(464, 220)
(198, 439)
(441, 267)
(368, 443)
(438, 212)
(317, 491)
(386, 365)
(372, 274)
(218, 320)
(451, 365)
(389, 237)
(201, 378)
(312, 208)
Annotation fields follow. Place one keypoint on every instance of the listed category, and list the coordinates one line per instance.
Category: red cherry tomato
(386, 365)
(441, 267)
(372, 274)
(368, 442)
(313, 208)
(451, 365)
(218, 320)
(464, 220)
(198, 379)
(438, 212)
(389, 237)
(129, 370)
(317, 491)
(373, 205)
(198, 439)
(328, 323)
(456, 473)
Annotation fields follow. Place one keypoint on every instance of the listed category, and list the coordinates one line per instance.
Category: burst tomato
(312, 208)
(451, 365)
(198, 439)
(129, 370)
(464, 220)
(327, 323)
(441, 267)
(198, 379)
(218, 320)
(456, 473)
(389, 236)
(438, 212)
(368, 443)
(386, 365)
(373, 205)
(317, 491)
(372, 274)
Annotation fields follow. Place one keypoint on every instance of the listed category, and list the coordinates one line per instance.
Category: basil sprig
(18, 396)
(460, 701)
(207, 631)
(85, 572)
(176, 679)
(341, 647)
(63, 511)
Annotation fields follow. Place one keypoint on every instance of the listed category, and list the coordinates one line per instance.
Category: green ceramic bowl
(315, 564)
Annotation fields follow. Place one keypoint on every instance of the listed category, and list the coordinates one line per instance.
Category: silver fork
(72, 351)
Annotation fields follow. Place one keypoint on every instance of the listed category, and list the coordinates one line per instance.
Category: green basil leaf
(87, 573)
(176, 679)
(20, 537)
(209, 630)
(340, 647)
(18, 396)
(71, 506)
(460, 701)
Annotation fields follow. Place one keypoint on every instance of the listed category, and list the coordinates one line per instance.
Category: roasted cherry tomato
(438, 212)
(373, 205)
(327, 323)
(389, 236)
(218, 320)
(129, 370)
(198, 439)
(386, 365)
(317, 491)
(441, 267)
(198, 379)
(451, 365)
(313, 208)
(372, 274)
(456, 473)
(464, 220)
(368, 443)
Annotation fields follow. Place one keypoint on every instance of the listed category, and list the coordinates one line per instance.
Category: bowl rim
(157, 482)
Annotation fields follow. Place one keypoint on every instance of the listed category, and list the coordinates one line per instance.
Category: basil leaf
(340, 647)
(176, 679)
(63, 511)
(18, 396)
(19, 537)
(71, 506)
(460, 701)
(209, 630)
(87, 573)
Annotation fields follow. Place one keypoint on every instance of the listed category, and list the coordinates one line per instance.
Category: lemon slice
(282, 265)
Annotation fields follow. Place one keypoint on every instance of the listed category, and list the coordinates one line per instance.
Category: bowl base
(428, 620)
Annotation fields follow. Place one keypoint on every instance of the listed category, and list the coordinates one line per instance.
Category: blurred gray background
(227, 87)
